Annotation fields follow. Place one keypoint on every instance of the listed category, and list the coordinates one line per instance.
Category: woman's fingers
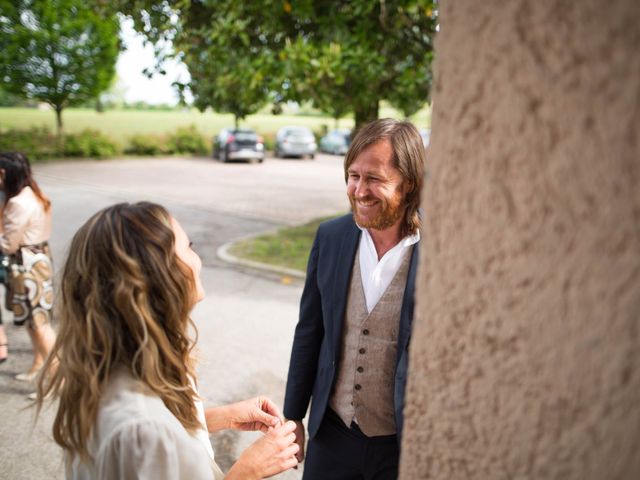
(266, 413)
(288, 463)
(271, 408)
(290, 438)
(287, 427)
(291, 451)
(273, 453)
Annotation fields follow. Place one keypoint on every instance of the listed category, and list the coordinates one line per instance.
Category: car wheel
(223, 156)
(312, 156)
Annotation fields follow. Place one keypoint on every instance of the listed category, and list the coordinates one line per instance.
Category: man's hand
(299, 432)
(257, 413)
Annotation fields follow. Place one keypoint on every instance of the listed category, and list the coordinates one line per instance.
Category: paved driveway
(246, 321)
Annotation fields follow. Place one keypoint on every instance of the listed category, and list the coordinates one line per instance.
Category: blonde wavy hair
(125, 304)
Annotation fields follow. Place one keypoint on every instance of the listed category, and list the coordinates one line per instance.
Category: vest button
(362, 350)
(360, 369)
(365, 332)
(358, 386)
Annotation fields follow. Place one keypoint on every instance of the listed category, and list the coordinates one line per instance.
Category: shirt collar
(406, 241)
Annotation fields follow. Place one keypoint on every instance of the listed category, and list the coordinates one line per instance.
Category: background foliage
(56, 51)
(343, 55)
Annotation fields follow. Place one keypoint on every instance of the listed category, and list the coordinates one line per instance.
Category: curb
(224, 255)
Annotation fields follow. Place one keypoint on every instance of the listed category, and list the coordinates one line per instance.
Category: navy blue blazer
(317, 341)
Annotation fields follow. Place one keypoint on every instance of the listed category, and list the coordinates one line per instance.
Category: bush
(187, 140)
(147, 145)
(35, 142)
(269, 141)
(89, 143)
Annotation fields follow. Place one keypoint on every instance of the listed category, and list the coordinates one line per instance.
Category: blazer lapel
(343, 265)
(406, 314)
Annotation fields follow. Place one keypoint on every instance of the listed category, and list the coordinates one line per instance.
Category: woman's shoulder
(127, 400)
(136, 431)
(25, 199)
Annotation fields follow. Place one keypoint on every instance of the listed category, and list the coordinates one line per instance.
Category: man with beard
(350, 349)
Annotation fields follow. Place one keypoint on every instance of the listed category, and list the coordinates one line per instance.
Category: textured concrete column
(525, 357)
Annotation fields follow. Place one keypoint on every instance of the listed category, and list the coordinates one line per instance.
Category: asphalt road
(246, 321)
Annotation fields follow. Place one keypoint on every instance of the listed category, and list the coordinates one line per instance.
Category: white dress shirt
(377, 275)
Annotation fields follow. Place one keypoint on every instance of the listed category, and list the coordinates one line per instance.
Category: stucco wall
(525, 357)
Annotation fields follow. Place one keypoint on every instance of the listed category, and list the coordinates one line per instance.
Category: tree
(525, 350)
(343, 55)
(56, 51)
(9, 100)
(228, 67)
(359, 52)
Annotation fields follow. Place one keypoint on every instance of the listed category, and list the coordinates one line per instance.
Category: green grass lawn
(288, 247)
(120, 124)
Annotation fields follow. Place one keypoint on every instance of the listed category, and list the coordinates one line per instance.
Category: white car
(295, 142)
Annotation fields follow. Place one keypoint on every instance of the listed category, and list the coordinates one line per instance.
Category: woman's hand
(257, 413)
(273, 453)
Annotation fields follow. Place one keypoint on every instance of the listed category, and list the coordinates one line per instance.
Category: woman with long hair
(125, 377)
(26, 228)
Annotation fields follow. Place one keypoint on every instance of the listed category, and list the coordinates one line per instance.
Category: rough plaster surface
(525, 357)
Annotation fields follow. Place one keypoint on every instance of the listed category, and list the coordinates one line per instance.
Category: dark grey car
(238, 144)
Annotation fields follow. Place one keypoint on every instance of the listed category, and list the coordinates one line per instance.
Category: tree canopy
(56, 51)
(342, 55)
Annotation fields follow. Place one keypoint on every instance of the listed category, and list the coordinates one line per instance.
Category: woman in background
(4, 273)
(125, 376)
(26, 229)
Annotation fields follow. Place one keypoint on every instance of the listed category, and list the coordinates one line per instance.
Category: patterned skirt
(30, 292)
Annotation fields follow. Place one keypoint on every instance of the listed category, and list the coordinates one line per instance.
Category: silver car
(336, 142)
(295, 142)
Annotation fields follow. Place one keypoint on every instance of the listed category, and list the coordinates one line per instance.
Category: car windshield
(299, 132)
(245, 135)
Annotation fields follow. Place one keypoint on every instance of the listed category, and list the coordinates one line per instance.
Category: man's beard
(391, 211)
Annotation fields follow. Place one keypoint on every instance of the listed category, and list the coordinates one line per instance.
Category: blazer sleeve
(307, 341)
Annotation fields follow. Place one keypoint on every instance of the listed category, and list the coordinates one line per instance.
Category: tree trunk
(365, 114)
(525, 354)
(59, 128)
(236, 121)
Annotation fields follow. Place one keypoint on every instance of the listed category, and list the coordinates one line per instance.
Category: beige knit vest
(364, 384)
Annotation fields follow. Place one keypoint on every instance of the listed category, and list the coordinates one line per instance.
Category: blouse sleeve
(15, 222)
(150, 450)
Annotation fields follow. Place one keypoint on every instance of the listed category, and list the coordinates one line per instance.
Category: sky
(133, 83)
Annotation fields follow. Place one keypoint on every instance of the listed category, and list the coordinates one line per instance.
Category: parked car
(426, 135)
(336, 142)
(238, 144)
(295, 142)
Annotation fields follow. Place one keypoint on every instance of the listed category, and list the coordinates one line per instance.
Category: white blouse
(24, 222)
(136, 436)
